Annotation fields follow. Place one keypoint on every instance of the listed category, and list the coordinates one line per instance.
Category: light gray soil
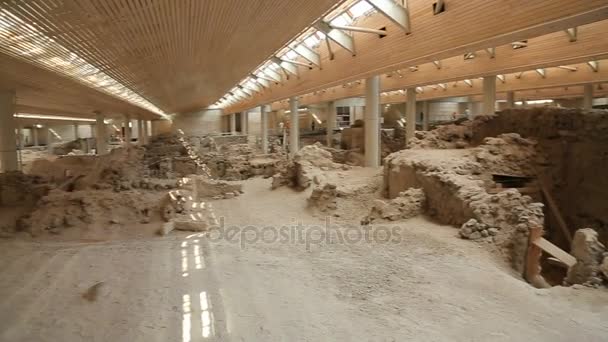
(430, 286)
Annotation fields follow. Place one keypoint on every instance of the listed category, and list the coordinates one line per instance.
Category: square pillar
(331, 123)
(426, 115)
(244, 121)
(127, 130)
(588, 96)
(510, 99)
(489, 95)
(372, 121)
(264, 128)
(233, 123)
(8, 138)
(410, 115)
(100, 134)
(294, 129)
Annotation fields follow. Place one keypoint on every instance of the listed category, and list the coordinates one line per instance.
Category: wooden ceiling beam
(544, 52)
(467, 25)
(530, 81)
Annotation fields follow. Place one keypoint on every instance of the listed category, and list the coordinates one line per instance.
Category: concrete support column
(127, 130)
(489, 95)
(588, 96)
(147, 131)
(426, 115)
(294, 128)
(21, 137)
(331, 123)
(244, 116)
(76, 134)
(372, 121)
(100, 134)
(35, 135)
(49, 140)
(264, 128)
(140, 132)
(8, 139)
(510, 99)
(233, 123)
(410, 115)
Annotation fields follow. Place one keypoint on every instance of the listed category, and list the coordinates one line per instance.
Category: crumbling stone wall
(17, 188)
(454, 183)
(575, 143)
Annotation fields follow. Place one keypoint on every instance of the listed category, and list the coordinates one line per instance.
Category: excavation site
(380, 170)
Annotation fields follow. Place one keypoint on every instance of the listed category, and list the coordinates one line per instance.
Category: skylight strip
(24, 41)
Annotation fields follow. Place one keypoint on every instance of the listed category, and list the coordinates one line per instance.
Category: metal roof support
(594, 65)
(491, 52)
(396, 13)
(310, 55)
(380, 33)
(572, 34)
(338, 36)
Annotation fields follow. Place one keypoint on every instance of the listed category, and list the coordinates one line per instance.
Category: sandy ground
(425, 285)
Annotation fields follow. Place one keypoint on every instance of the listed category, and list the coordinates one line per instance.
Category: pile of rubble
(17, 188)
(187, 209)
(509, 154)
(226, 158)
(390, 143)
(87, 210)
(452, 136)
(324, 198)
(454, 182)
(591, 266)
(74, 147)
(310, 161)
(408, 204)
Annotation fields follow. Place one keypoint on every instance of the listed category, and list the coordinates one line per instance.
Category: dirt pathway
(425, 285)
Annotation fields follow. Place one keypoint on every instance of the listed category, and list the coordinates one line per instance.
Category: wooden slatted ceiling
(529, 81)
(44, 92)
(180, 55)
(466, 25)
(546, 51)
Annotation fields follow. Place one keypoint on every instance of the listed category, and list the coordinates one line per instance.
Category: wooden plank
(554, 208)
(555, 251)
(532, 270)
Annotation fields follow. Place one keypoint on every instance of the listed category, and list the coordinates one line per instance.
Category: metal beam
(491, 52)
(338, 36)
(296, 63)
(310, 55)
(329, 51)
(275, 76)
(594, 65)
(262, 81)
(542, 72)
(439, 7)
(396, 13)
(572, 34)
(380, 33)
(554, 20)
(287, 68)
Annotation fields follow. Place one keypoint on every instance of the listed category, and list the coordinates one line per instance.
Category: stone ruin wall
(576, 145)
